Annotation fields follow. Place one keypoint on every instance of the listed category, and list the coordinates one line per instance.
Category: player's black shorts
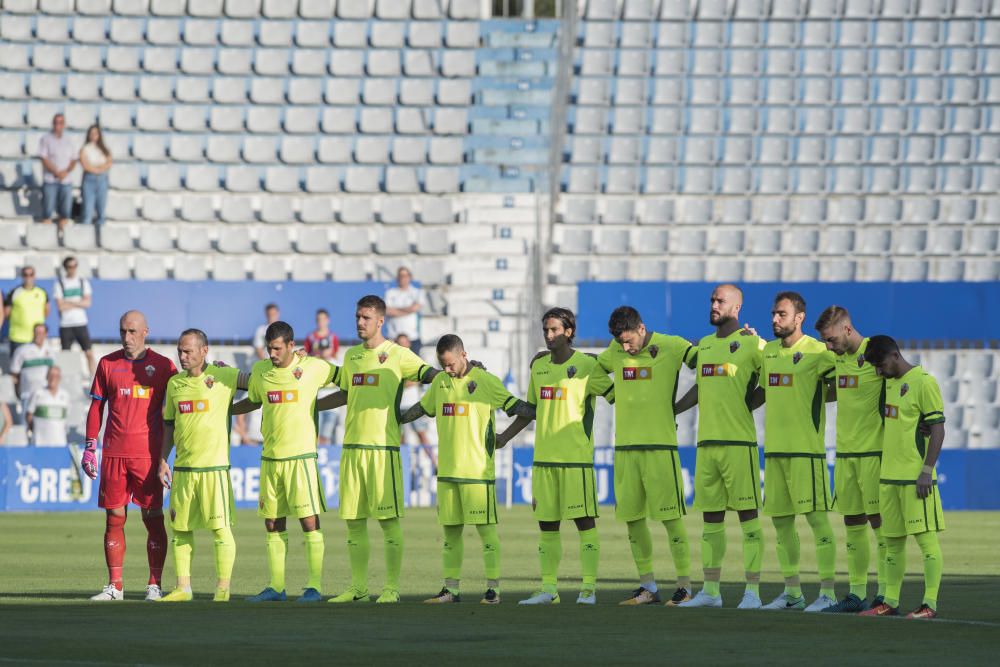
(79, 334)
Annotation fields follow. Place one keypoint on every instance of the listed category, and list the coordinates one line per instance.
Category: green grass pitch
(49, 564)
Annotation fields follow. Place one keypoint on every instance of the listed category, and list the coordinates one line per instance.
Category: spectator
(30, 365)
(95, 159)
(25, 306)
(72, 294)
(322, 342)
(403, 304)
(271, 314)
(47, 411)
(58, 160)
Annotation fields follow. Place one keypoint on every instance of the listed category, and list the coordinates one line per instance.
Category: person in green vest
(25, 306)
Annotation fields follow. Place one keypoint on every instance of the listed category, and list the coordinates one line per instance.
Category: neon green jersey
(373, 380)
(727, 372)
(859, 404)
(200, 410)
(464, 410)
(564, 396)
(288, 399)
(909, 400)
(645, 390)
(795, 411)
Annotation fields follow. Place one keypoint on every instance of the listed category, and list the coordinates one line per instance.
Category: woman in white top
(95, 158)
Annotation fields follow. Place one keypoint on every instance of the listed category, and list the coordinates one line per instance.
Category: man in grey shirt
(58, 157)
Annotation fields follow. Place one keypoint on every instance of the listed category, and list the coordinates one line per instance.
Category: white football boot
(702, 599)
(153, 593)
(108, 594)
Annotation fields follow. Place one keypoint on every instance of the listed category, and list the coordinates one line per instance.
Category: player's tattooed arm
(244, 406)
(332, 401)
(688, 401)
(413, 413)
(243, 381)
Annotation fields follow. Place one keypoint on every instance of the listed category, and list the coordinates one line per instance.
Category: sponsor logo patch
(779, 380)
(454, 409)
(891, 411)
(286, 396)
(552, 394)
(847, 381)
(189, 407)
(634, 373)
(364, 380)
(139, 391)
(717, 370)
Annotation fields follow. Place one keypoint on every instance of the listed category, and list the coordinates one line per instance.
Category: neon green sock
(680, 550)
(753, 552)
(277, 547)
(713, 551)
(183, 552)
(590, 556)
(641, 542)
(858, 555)
(392, 538)
(358, 551)
(930, 547)
(895, 568)
(491, 554)
(787, 548)
(225, 552)
(453, 553)
(826, 551)
(549, 555)
(315, 548)
(880, 552)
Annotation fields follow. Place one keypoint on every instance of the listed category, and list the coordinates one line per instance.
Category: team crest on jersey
(797, 357)
(902, 390)
(209, 381)
(571, 371)
(861, 360)
(735, 345)
(150, 369)
(472, 386)
(297, 373)
(382, 356)
(654, 350)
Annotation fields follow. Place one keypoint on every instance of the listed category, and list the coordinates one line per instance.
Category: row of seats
(273, 9)
(917, 209)
(903, 241)
(779, 180)
(721, 10)
(572, 270)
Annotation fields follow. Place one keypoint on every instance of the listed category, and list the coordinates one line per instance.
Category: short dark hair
(797, 301)
(565, 317)
(623, 318)
(270, 306)
(372, 301)
(880, 347)
(322, 311)
(66, 261)
(830, 316)
(279, 329)
(449, 343)
(42, 325)
(197, 333)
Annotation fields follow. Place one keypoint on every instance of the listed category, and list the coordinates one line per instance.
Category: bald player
(727, 468)
(132, 382)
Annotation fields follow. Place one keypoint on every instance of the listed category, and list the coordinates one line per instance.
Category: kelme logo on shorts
(454, 409)
(552, 394)
(716, 370)
(847, 381)
(188, 407)
(779, 380)
(289, 396)
(633, 373)
(891, 411)
(364, 380)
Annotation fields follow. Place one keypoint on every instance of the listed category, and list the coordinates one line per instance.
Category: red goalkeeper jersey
(134, 393)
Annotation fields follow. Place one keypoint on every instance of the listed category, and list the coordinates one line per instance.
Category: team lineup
(889, 435)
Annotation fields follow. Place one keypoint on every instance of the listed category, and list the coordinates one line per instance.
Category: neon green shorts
(563, 493)
(461, 503)
(795, 485)
(855, 484)
(648, 485)
(371, 483)
(727, 477)
(201, 499)
(290, 487)
(903, 513)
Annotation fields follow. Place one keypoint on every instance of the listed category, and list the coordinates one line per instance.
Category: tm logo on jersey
(717, 370)
(189, 407)
(891, 411)
(454, 409)
(779, 380)
(364, 380)
(633, 373)
(136, 391)
(552, 394)
(291, 396)
(847, 381)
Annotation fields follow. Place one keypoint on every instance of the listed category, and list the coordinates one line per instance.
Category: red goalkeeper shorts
(129, 480)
